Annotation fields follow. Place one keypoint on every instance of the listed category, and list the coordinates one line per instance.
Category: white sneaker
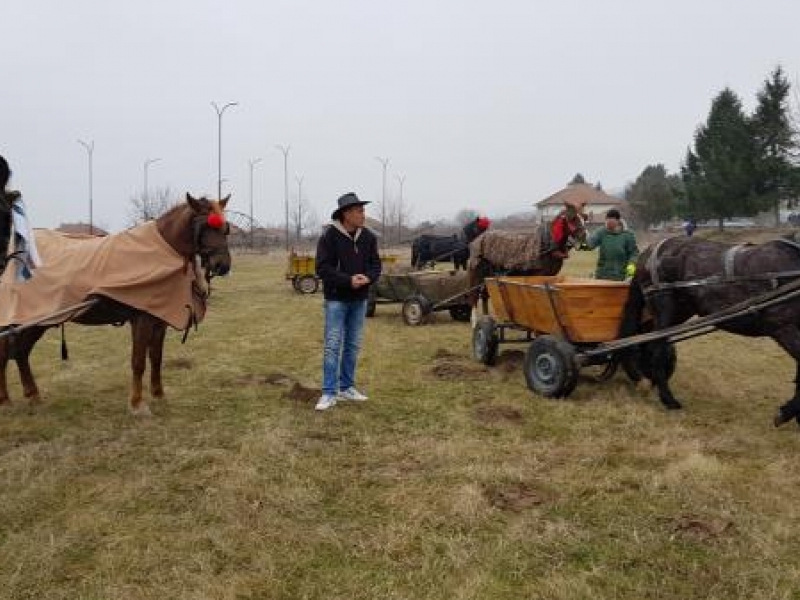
(325, 402)
(352, 393)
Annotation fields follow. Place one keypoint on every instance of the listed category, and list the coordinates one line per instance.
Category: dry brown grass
(451, 482)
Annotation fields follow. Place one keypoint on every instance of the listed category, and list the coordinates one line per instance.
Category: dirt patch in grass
(510, 361)
(269, 379)
(443, 353)
(300, 393)
(178, 363)
(701, 528)
(514, 497)
(454, 368)
(488, 415)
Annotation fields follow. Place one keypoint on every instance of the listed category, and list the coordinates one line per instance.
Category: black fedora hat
(346, 201)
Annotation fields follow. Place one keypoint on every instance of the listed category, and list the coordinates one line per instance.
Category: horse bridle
(201, 223)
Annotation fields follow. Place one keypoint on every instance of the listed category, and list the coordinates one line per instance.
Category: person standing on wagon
(348, 263)
(616, 249)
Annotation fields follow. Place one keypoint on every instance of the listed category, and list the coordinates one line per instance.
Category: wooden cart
(301, 270)
(423, 293)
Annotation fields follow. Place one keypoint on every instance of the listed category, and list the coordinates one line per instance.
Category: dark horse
(195, 228)
(541, 252)
(683, 277)
(428, 248)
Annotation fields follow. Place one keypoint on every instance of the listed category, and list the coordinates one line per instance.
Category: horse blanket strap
(652, 262)
(728, 260)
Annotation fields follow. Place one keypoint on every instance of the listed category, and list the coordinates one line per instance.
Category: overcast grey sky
(489, 105)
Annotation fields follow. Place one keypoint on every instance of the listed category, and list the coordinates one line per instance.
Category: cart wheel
(307, 284)
(633, 369)
(295, 281)
(416, 310)
(550, 368)
(485, 341)
(461, 313)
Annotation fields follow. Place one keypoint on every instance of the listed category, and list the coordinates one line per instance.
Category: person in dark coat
(7, 197)
(348, 263)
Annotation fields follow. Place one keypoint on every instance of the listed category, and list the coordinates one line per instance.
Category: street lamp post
(384, 163)
(285, 151)
(401, 180)
(146, 195)
(299, 181)
(220, 111)
(253, 162)
(90, 152)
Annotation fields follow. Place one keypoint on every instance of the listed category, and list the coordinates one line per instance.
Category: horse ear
(224, 201)
(195, 203)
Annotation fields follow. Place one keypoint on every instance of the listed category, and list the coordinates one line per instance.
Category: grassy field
(453, 481)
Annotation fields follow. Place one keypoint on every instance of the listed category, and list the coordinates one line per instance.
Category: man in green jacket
(616, 249)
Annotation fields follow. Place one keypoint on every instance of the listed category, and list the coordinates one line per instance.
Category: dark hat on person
(5, 173)
(613, 214)
(346, 201)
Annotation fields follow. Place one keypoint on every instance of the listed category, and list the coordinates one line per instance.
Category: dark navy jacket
(341, 255)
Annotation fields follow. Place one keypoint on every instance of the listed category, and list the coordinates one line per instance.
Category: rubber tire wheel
(550, 367)
(461, 313)
(307, 284)
(295, 281)
(415, 310)
(485, 341)
(631, 366)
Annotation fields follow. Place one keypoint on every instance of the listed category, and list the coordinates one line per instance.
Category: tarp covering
(136, 267)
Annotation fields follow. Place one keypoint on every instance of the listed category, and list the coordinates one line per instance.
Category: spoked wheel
(461, 313)
(416, 310)
(307, 284)
(550, 367)
(485, 341)
(601, 373)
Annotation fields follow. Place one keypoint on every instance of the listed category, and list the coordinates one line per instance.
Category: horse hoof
(674, 405)
(781, 418)
(141, 411)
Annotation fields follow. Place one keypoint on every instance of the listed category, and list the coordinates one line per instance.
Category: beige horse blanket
(136, 267)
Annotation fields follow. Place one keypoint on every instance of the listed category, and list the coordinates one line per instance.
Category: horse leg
(654, 356)
(156, 352)
(4, 356)
(22, 346)
(141, 332)
(788, 338)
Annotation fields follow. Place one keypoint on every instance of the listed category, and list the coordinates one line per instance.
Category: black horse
(436, 248)
(679, 278)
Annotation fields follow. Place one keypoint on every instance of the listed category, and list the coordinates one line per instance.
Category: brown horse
(541, 252)
(146, 276)
(682, 277)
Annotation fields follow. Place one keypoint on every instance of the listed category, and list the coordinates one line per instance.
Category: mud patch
(178, 363)
(300, 393)
(269, 379)
(510, 361)
(701, 528)
(513, 497)
(490, 415)
(457, 369)
(442, 353)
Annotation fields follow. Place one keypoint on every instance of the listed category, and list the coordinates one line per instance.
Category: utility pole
(253, 162)
(90, 152)
(220, 111)
(401, 179)
(146, 194)
(384, 163)
(285, 151)
(299, 180)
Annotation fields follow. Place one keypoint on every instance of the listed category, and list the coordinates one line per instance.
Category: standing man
(616, 249)
(348, 263)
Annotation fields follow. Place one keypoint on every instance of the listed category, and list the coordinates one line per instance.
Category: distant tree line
(737, 165)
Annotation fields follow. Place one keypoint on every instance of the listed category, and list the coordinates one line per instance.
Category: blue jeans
(344, 322)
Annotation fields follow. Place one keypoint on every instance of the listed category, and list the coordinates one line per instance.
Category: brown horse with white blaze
(146, 276)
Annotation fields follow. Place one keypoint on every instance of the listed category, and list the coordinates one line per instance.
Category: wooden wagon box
(434, 285)
(577, 309)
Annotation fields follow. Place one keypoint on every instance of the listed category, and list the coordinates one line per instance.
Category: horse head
(210, 232)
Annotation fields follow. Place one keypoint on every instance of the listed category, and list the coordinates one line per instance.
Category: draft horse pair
(193, 229)
(679, 278)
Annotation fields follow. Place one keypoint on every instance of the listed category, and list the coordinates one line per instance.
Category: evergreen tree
(652, 196)
(775, 139)
(577, 179)
(718, 173)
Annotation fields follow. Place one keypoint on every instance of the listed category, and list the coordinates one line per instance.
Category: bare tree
(148, 207)
(398, 216)
(303, 218)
